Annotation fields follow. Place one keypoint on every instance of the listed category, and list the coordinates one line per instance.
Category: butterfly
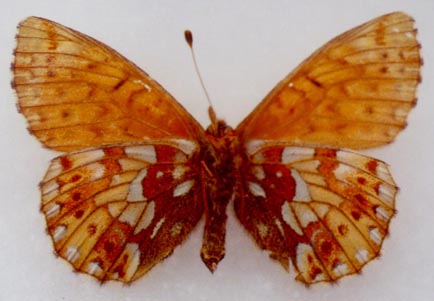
(138, 171)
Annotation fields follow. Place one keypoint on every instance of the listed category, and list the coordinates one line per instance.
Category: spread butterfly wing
(76, 92)
(355, 92)
(115, 212)
(327, 211)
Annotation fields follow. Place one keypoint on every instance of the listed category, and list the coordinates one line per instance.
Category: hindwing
(115, 212)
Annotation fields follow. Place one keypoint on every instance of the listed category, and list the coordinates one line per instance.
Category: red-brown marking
(372, 166)
(112, 241)
(98, 260)
(79, 213)
(109, 246)
(327, 167)
(369, 110)
(360, 198)
(52, 36)
(380, 34)
(153, 185)
(65, 162)
(377, 188)
(361, 180)
(326, 248)
(111, 166)
(278, 189)
(343, 229)
(120, 269)
(325, 152)
(273, 154)
(75, 178)
(335, 263)
(91, 66)
(314, 271)
(165, 153)
(115, 151)
(91, 229)
(76, 196)
(356, 215)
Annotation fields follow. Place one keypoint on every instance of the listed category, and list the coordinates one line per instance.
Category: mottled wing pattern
(325, 210)
(355, 91)
(76, 92)
(115, 212)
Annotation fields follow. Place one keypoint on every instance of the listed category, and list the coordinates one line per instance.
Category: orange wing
(356, 91)
(77, 92)
(115, 212)
(325, 210)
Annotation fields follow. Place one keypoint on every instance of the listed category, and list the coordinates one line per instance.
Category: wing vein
(103, 122)
(44, 31)
(334, 237)
(86, 58)
(52, 68)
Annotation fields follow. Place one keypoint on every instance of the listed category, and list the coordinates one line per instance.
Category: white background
(244, 48)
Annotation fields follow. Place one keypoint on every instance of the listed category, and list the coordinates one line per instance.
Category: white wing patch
(157, 227)
(146, 218)
(187, 146)
(132, 213)
(304, 214)
(59, 233)
(143, 152)
(289, 218)
(293, 154)
(183, 188)
(135, 191)
(301, 189)
(257, 189)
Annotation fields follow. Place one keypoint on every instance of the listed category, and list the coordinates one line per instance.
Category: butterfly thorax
(220, 163)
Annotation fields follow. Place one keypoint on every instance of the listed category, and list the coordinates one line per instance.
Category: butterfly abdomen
(220, 179)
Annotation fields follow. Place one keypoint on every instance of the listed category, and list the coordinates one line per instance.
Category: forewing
(356, 91)
(325, 210)
(117, 211)
(76, 92)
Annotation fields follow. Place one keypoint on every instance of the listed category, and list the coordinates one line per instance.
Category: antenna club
(188, 37)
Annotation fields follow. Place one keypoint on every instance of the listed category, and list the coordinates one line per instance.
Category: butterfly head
(219, 129)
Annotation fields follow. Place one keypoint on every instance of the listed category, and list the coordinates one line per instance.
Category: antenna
(189, 39)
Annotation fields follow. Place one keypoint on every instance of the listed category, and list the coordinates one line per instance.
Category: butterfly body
(221, 179)
(139, 171)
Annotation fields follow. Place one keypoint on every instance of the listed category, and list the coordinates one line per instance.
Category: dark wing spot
(119, 84)
(361, 180)
(356, 215)
(78, 214)
(76, 196)
(75, 178)
(91, 229)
